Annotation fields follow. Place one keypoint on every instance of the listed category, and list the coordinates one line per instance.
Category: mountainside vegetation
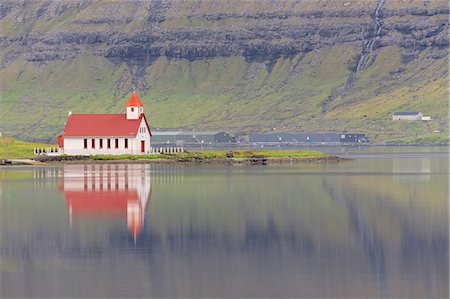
(239, 66)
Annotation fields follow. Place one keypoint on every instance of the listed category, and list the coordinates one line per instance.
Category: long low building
(191, 137)
(407, 116)
(306, 137)
(165, 137)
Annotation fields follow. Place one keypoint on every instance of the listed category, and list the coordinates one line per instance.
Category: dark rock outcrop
(251, 34)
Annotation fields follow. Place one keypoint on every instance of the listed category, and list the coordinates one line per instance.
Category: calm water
(375, 227)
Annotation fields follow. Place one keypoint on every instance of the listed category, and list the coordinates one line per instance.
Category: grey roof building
(406, 113)
(407, 116)
(354, 137)
(307, 137)
(165, 137)
(191, 137)
(204, 137)
(295, 137)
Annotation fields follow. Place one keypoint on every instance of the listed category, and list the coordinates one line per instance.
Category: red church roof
(107, 202)
(93, 125)
(134, 100)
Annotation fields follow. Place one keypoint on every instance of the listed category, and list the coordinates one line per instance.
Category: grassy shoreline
(257, 157)
(217, 154)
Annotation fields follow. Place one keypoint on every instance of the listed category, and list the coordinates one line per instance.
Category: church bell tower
(134, 107)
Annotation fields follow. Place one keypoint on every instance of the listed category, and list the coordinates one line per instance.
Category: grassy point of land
(14, 148)
(218, 154)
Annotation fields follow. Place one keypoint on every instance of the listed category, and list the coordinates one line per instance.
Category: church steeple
(134, 107)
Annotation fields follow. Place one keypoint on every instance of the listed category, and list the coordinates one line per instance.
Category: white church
(111, 134)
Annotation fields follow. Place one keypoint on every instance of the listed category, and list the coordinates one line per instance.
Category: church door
(142, 146)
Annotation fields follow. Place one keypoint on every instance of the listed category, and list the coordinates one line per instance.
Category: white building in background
(407, 116)
(113, 134)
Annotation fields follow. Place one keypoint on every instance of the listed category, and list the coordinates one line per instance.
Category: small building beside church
(110, 134)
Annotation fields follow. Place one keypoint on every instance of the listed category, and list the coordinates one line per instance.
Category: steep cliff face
(237, 65)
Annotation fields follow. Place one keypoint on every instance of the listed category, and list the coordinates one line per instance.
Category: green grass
(14, 148)
(216, 154)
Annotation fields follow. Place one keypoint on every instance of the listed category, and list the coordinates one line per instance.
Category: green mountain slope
(310, 89)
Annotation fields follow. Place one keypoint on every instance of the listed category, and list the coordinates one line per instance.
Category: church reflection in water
(105, 190)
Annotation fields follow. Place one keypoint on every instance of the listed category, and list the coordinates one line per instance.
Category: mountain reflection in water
(364, 228)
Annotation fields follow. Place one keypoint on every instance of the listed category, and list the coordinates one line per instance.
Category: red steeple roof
(134, 100)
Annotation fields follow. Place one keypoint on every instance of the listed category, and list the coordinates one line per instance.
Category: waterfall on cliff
(368, 47)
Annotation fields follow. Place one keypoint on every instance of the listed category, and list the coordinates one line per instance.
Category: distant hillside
(241, 66)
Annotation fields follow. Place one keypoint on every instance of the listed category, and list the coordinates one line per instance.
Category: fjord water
(372, 227)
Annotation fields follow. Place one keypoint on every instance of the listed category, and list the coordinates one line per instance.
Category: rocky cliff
(237, 65)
